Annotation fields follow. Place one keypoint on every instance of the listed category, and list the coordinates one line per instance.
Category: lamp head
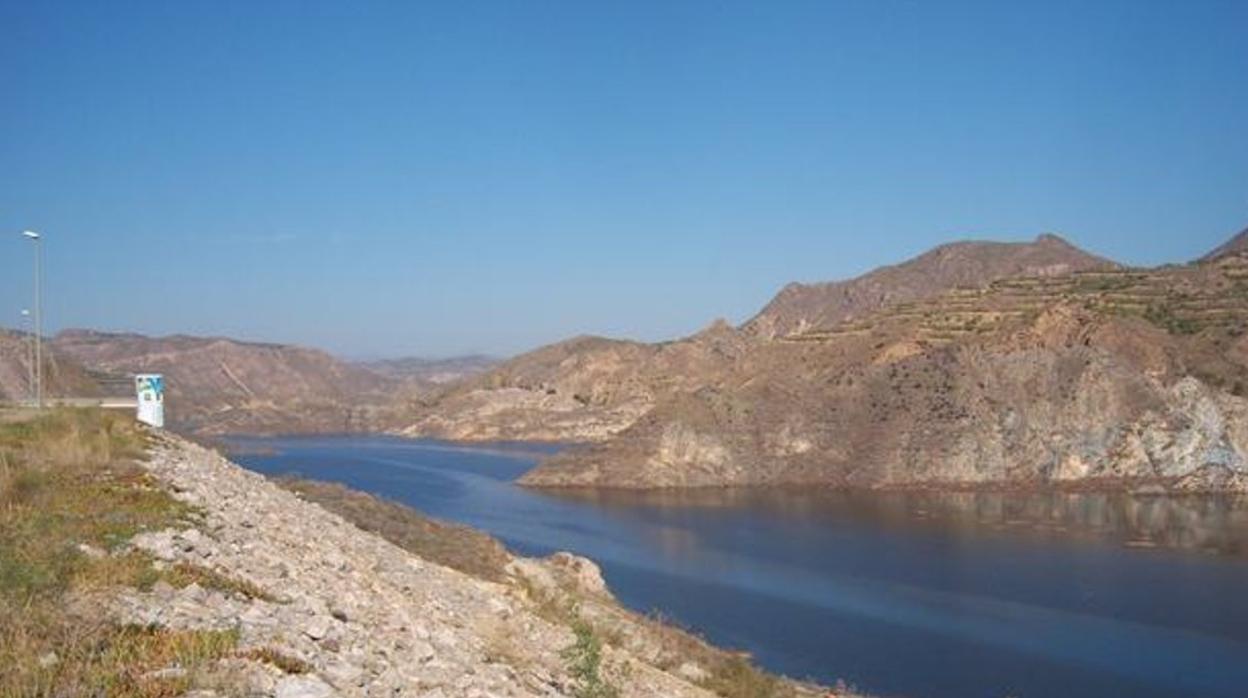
(31, 234)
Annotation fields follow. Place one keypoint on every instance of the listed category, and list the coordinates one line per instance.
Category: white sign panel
(150, 388)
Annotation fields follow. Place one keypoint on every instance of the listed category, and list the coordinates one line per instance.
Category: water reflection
(1217, 524)
(899, 593)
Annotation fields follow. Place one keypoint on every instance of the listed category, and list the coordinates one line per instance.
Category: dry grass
(731, 674)
(185, 574)
(737, 678)
(283, 662)
(49, 654)
(459, 547)
(505, 643)
(68, 480)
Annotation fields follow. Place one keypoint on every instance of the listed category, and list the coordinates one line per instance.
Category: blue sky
(418, 178)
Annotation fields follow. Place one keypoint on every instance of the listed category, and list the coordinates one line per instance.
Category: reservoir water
(919, 595)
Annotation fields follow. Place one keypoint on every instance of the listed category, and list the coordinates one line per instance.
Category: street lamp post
(30, 353)
(35, 239)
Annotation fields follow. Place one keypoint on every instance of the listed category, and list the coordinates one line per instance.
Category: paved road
(105, 402)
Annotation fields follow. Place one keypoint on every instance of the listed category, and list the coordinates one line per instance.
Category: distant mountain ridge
(218, 385)
(433, 371)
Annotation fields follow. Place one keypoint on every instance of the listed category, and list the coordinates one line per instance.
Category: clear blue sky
(419, 178)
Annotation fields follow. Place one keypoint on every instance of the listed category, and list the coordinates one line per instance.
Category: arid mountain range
(974, 364)
(590, 388)
(219, 385)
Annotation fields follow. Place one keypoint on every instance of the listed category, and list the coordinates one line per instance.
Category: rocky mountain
(968, 264)
(1108, 378)
(219, 385)
(588, 389)
(1003, 364)
(1237, 244)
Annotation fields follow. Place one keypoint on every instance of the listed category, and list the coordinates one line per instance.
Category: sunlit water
(958, 595)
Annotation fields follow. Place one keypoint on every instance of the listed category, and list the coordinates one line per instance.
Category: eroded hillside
(1090, 379)
(219, 385)
(62, 376)
(589, 389)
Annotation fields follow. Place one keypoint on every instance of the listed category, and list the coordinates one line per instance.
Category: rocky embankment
(347, 613)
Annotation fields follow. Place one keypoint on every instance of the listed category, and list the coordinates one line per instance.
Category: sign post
(150, 388)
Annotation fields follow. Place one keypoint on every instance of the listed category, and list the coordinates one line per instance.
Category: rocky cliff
(1106, 378)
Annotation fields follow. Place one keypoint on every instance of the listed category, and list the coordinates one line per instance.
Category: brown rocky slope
(589, 388)
(967, 264)
(219, 385)
(62, 375)
(584, 389)
(1091, 378)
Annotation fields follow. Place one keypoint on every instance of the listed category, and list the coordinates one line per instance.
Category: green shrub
(584, 659)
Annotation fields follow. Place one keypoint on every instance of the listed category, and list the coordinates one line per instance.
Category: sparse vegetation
(282, 662)
(584, 659)
(1166, 318)
(730, 674)
(738, 678)
(71, 494)
(184, 574)
(458, 547)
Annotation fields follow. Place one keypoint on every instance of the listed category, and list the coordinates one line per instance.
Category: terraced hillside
(1183, 299)
(589, 388)
(1106, 378)
(966, 264)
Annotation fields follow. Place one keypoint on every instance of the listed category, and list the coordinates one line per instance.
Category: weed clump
(584, 658)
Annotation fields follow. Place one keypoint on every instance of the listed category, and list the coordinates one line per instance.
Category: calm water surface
(961, 595)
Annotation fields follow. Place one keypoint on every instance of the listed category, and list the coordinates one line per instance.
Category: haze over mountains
(431, 371)
(976, 363)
